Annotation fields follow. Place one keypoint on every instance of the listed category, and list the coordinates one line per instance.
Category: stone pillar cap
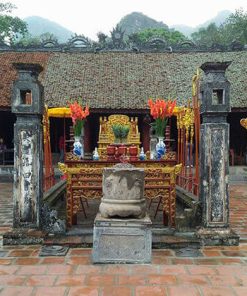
(215, 66)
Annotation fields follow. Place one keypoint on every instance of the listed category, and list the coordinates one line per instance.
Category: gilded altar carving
(243, 122)
(106, 136)
(85, 181)
(170, 156)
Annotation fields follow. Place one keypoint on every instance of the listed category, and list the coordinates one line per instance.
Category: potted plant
(120, 132)
(124, 133)
(116, 128)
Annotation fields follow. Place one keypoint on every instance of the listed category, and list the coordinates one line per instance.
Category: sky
(89, 17)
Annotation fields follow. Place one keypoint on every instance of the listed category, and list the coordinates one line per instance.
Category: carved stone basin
(123, 192)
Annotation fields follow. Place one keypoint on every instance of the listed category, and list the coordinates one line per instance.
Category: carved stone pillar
(214, 157)
(27, 104)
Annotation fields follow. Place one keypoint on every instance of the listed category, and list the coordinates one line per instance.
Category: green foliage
(159, 126)
(78, 127)
(125, 131)
(208, 36)
(234, 29)
(171, 36)
(10, 27)
(28, 40)
(48, 36)
(6, 7)
(120, 131)
(116, 128)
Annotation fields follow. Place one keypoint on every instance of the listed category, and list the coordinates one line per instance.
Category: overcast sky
(91, 16)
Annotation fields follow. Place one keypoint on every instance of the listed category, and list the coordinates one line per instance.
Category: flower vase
(160, 148)
(142, 155)
(78, 148)
(96, 154)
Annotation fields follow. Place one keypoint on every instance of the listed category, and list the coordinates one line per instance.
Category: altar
(84, 176)
(84, 182)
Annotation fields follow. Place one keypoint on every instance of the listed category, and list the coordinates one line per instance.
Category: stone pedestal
(123, 192)
(122, 229)
(122, 240)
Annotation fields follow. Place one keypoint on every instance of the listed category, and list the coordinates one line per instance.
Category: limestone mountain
(38, 25)
(219, 19)
(137, 21)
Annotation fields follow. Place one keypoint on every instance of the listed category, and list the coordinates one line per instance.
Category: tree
(11, 27)
(171, 36)
(28, 40)
(235, 27)
(48, 36)
(208, 36)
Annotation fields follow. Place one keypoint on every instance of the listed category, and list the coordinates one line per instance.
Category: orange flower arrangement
(78, 115)
(161, 110)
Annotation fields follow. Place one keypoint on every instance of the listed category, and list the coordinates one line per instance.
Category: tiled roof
(117, 80)
(8, 73)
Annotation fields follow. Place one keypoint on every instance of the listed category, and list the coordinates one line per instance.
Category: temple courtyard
(207, 271)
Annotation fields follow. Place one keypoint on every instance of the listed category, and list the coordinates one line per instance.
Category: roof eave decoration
(81, 43)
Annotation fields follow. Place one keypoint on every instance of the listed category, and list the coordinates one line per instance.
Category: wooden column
(146, 133)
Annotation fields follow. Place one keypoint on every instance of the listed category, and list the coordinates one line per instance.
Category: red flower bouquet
(78, 115)
(161, 110)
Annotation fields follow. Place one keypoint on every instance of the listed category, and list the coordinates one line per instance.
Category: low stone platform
(82, 235)
(122, 240)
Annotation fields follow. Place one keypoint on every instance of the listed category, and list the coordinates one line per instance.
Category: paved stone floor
(218, 271)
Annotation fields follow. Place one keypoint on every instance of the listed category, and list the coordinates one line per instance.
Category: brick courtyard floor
(219, 270)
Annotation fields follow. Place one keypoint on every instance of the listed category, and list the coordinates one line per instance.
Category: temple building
(120, 82)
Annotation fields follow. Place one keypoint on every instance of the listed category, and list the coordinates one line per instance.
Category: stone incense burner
(123, 192)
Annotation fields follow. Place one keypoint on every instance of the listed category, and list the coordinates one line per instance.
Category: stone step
(158, 241)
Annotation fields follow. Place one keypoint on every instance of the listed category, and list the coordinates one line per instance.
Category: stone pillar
(27, 105)
(214, 157)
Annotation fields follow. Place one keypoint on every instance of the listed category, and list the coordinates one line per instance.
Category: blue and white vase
(95, 154)
(78, 149)
(160, 148)
(142, 155)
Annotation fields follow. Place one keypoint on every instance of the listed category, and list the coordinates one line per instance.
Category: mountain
(186, 30)
(137, 21)
(38, 25)
(131, 23)
(219, 19)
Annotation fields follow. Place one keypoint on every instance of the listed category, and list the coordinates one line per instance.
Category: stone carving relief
(27, 161)
(123, 192)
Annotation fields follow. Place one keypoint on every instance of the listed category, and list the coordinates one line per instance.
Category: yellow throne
(106, 136)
